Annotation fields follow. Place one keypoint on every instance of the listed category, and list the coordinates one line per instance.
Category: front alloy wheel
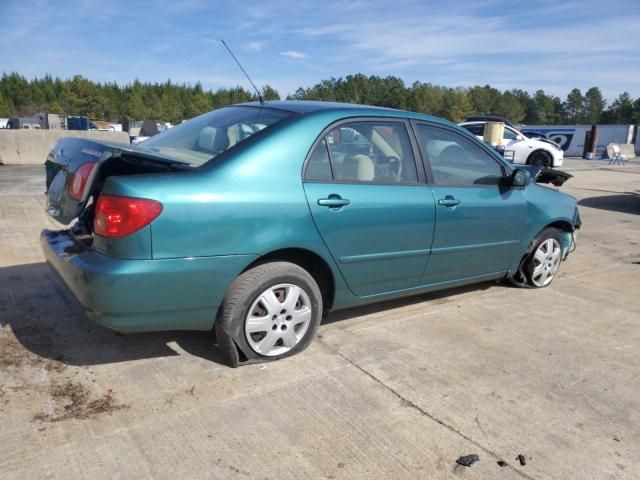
(545, 262)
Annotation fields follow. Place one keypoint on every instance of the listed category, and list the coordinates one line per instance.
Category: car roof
(482, 122)
(490, 118)
(307, 107)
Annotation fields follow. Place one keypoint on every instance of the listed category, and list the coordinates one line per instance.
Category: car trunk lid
(71, 156)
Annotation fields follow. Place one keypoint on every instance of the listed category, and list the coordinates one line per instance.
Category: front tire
(542, 264)
(270, 312)
(540, 158)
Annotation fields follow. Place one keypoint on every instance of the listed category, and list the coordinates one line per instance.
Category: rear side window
(456, 160)
(364, 151)
(319, 166)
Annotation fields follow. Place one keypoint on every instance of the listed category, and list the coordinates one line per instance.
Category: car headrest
(359, 167)
(213, 140)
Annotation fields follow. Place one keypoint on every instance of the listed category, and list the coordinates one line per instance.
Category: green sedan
(257, 220)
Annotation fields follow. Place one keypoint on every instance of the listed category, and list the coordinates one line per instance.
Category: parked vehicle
(38, 121)
(257, 220)
(23, 123)
(78, 123)
(526, 151)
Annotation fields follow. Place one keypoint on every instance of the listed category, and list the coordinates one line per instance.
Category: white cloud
(293, 54)
(253, 47)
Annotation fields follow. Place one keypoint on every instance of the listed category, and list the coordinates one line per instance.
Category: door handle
(333, 201)
(449, 201)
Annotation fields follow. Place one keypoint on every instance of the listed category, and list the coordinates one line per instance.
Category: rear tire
(271, 311)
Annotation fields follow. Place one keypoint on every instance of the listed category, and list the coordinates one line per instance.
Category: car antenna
(245, 72)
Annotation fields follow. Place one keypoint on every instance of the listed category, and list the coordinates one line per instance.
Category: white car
(521, 149)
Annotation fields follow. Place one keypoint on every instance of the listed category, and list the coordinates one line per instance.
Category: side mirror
(520, 178)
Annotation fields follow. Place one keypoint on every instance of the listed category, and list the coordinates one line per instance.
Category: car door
(517, 143)
(370, 204)
(479, 221)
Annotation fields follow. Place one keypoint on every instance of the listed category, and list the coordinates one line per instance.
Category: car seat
(358, 167)
(212, 140)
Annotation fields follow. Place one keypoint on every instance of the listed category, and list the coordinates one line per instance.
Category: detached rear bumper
(142, 295)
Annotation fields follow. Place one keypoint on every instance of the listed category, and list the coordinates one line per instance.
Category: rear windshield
(203, 138)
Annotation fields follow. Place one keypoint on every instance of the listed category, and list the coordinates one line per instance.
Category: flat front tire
(542, 264)
(270, 312)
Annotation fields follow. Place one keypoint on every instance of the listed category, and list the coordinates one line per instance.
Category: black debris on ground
(522, 459)
(468, 460)
(502, 463)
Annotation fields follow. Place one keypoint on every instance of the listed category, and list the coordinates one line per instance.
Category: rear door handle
(333, 201)
(449, 201)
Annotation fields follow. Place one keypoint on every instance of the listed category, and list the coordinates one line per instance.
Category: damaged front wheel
(541, 265)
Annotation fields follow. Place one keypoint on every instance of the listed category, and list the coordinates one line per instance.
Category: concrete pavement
(397, 390)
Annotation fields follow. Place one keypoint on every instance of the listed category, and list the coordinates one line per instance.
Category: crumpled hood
(544, 142)
(541, 174)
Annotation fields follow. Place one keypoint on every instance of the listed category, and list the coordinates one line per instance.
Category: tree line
(172, 102)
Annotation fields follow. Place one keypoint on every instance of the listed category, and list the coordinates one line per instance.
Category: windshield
(205, 137)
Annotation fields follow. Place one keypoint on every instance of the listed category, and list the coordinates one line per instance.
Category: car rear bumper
(142, 295)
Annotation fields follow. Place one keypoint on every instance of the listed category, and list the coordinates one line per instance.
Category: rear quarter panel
(251, 201)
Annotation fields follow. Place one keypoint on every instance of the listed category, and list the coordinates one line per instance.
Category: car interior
(365, 152)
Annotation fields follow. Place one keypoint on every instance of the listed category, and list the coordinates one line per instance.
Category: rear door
(479, 222)
(370, 204)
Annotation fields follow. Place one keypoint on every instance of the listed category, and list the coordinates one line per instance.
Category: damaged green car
(257, 220)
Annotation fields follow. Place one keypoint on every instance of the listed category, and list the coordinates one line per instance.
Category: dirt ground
(398, 390)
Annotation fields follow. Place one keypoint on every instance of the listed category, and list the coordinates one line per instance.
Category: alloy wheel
(546, 261)
(278, 319)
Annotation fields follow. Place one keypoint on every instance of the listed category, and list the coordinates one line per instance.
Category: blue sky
(552, 45)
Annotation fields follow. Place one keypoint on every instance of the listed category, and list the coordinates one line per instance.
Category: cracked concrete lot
(398, 390)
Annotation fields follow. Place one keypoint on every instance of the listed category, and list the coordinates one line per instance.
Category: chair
(617, 157)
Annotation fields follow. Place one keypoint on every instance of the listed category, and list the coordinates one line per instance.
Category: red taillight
(121, 216)
(79, 180)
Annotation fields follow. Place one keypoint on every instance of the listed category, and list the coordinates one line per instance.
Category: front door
(515, 142)
(373, 213)
(479, 222)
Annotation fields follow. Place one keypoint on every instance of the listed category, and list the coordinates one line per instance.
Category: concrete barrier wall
(31, 147)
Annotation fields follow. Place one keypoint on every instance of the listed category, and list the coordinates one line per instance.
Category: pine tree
(594, 105)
